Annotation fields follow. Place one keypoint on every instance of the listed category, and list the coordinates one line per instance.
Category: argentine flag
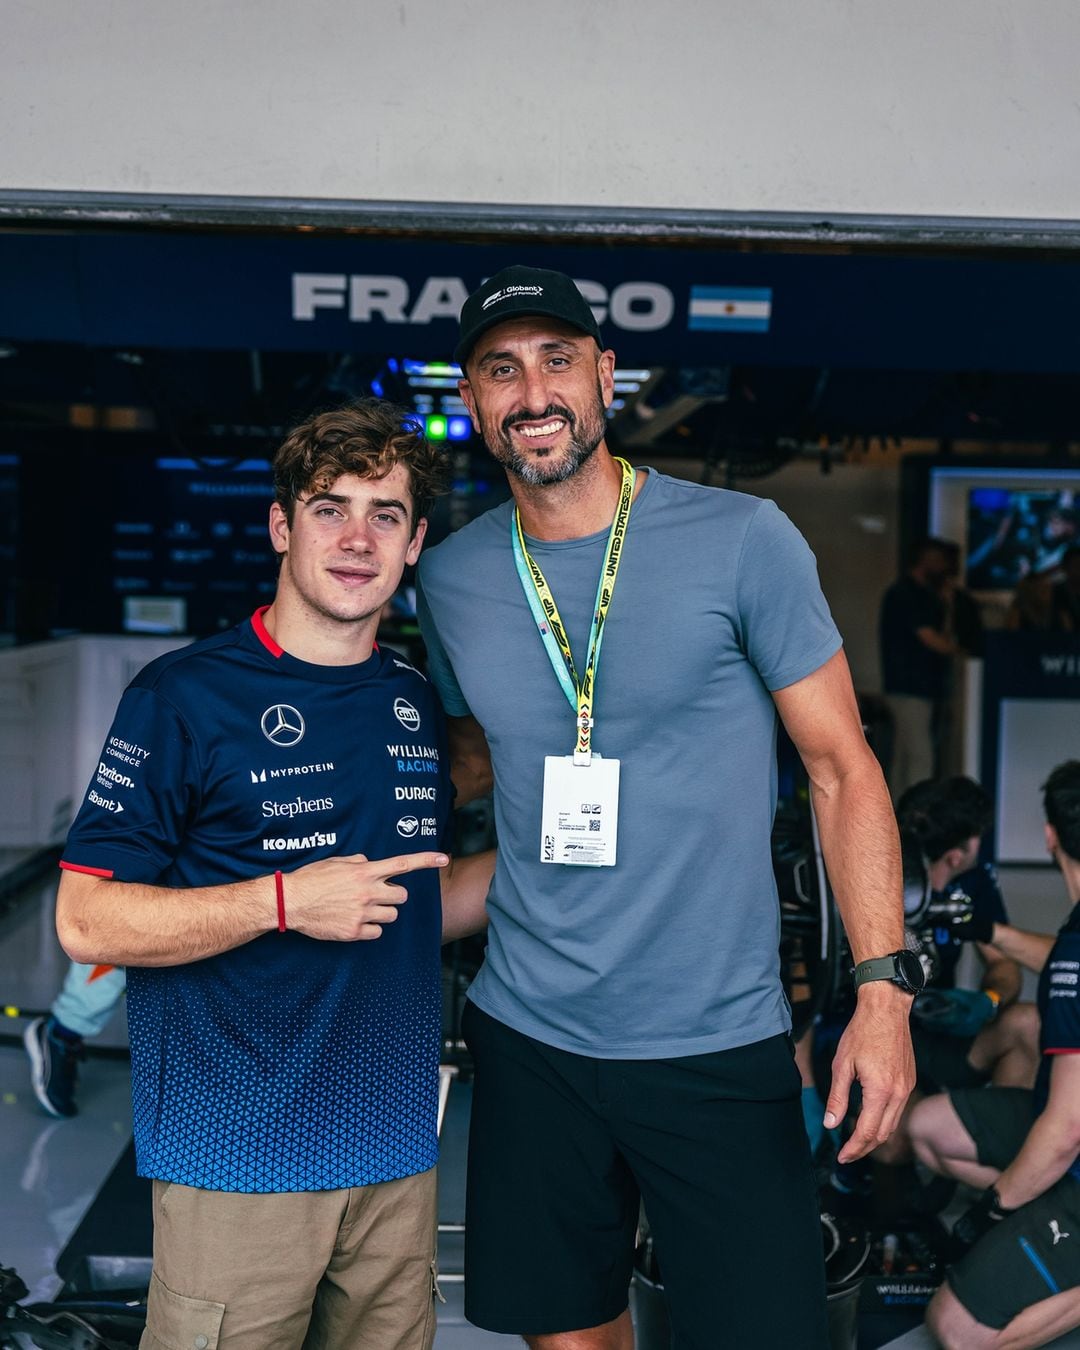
(732, 309)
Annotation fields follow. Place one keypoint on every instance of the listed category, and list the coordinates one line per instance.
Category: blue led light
(458, 429)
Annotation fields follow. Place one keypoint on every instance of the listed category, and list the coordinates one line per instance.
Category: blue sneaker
(53, 1061)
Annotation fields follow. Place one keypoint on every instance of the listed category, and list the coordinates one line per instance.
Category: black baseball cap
(516, 291)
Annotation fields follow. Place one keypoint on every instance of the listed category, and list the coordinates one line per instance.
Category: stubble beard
(324, 612)
(586, 433)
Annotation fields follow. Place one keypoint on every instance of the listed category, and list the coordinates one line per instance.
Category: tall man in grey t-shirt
(628, 1025)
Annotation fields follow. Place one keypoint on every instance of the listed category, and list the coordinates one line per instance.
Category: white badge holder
(579, 822)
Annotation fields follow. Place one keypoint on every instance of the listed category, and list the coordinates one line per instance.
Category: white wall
(850, 519)
(57, 701)
(960, 108)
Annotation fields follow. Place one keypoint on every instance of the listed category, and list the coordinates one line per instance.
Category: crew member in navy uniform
(262, 848)
(1018, 1284)
(962, 1037)
(628, 1026)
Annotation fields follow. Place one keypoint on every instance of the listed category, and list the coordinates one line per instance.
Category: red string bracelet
(279, 886)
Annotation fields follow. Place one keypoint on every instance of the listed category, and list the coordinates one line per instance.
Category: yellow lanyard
(580, 694)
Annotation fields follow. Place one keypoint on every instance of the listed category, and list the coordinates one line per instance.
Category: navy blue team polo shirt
(1058, 1000)
(981, 885)
(287, 1064)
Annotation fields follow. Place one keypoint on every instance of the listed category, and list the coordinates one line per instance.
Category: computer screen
(1016, 533)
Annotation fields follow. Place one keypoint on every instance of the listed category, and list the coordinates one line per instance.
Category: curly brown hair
(367, 438)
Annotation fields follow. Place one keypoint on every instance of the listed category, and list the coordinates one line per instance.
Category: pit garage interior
(878, 382)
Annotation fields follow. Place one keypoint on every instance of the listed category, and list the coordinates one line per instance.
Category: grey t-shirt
(674, 950)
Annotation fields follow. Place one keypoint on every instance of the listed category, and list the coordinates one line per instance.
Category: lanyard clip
(585, 726)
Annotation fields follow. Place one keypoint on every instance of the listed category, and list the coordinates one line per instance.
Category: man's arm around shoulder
(470, 759)
(465, 886)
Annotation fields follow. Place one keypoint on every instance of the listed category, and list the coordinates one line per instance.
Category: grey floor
(50, 1171)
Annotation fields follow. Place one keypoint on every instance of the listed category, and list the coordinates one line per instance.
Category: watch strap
(877, 968)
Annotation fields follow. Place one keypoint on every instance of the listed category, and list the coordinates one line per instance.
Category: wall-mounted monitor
(1009, 522)
(1015, 533)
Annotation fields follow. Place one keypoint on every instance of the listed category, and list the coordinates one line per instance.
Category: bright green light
(436, 428)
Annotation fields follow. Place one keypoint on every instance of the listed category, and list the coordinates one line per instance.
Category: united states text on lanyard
(580, 810)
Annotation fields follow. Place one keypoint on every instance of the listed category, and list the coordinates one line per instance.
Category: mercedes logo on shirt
(282, 725)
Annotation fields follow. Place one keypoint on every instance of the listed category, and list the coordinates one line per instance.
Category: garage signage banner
(676, 306)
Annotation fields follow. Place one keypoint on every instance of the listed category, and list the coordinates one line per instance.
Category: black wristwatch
(903, 968)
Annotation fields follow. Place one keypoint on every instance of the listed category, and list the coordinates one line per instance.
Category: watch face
(910, 970)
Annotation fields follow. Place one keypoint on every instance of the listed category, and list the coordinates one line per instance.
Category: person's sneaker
(53, 1060)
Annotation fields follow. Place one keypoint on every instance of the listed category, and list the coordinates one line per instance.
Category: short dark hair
(923, 544)
(942, 813)
(367, 437)
(1061, 802)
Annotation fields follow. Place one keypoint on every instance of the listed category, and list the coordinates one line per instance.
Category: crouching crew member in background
(962, 1037)
(261, 829)
(628, 1025)
(1019, 1284)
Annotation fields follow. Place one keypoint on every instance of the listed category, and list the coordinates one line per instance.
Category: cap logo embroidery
(507, 291)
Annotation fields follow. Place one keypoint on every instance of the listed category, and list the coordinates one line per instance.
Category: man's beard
(586, 433)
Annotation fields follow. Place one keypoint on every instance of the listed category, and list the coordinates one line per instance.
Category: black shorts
(1028, 1257)
(1035, 1252)
(997, 1119)
(561, 1147)
(941, 1062)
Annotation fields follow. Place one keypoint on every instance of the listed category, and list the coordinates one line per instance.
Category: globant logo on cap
(505, 292)
(516, 292)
